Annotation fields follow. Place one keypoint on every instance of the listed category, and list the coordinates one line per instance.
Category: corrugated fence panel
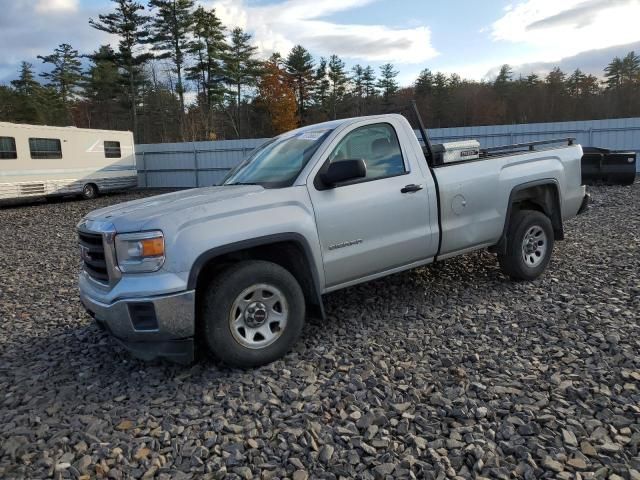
(192, 164)
(170, 178)
(616, 134)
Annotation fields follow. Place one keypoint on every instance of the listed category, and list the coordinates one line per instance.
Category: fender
(555, 214)
(293, 237)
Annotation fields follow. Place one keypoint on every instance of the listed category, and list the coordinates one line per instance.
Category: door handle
(411, 188)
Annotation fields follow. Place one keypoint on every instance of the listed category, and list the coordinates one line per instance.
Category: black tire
(89, 191)
(217, 304)
(517, 264)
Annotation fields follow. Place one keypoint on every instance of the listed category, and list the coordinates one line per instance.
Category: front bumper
(149, 327)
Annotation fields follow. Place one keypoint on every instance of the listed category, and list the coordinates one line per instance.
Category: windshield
(278, 163)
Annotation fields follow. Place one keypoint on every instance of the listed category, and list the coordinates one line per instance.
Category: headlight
(140, 252)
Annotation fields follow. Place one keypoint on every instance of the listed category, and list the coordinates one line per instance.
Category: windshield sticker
(315, 135)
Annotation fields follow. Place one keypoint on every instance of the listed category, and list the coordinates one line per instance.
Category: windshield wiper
(242, 183)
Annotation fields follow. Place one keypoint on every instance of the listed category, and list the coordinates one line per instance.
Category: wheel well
(288, 254)
(543, 198)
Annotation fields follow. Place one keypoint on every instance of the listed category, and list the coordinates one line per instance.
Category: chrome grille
(93, 255)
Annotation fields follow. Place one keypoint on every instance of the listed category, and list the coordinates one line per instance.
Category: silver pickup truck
(236, 268)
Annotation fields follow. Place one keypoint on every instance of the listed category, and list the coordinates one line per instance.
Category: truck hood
(150, 212)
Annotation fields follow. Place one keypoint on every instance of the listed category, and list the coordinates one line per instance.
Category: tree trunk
(181, 96)
(238, 111)
(134, 113)
(301, 105)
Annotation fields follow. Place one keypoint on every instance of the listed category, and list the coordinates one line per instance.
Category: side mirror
(344, 170)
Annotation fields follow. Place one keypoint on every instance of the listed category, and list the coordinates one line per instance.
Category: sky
(470, 37)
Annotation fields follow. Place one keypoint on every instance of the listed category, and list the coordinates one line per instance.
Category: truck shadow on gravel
(462, 276)
(78, 363)
(376, 306)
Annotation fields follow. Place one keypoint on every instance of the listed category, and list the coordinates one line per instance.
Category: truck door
(376, 223)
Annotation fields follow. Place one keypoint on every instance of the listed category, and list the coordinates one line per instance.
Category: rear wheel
(529, 245)
(252, 313)
(89, 191)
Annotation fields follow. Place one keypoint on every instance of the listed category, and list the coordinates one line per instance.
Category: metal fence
(616, 134)
(197, 164)
(190, 164)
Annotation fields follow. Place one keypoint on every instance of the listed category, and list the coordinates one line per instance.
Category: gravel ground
(442, 372)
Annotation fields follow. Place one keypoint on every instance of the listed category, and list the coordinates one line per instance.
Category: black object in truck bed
(613, 167)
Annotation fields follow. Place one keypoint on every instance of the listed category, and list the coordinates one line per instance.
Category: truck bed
(473, 204)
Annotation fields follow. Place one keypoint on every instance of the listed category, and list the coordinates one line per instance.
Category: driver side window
(377, 145)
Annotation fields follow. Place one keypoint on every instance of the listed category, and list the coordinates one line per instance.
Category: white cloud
(556, 29)
(57, 5)
(278, 27)
(18, 42)
(591, 61)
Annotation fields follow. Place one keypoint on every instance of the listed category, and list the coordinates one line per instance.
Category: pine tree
(241, 67)
(556, 80)
(105, 89)
(440, 83)
(26, 106)
(300, 67)
(590, 85)
(387, 82)
(338, 81)
(170, 29)
(357, 80)
(441, 97)
(130, 26)
(26, 84)
(575, 83)
(369, 82)
(614, 73)
(322, 85)
(424, 83)
(103, 79)
(454, 81)
(532, 80)
(504, 75)
(66, 74)
(631, 68)
(556, 87)
(503, 81)
(7, 104)
(209, 48)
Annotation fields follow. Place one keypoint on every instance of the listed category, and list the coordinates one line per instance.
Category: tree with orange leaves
(277, 97)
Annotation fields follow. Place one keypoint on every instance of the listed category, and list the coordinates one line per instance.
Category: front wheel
(529, 245)
(252, 313)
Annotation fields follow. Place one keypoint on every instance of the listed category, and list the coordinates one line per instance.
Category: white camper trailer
(38, 160)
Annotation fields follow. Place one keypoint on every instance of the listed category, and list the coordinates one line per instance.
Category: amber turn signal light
(152, 247)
